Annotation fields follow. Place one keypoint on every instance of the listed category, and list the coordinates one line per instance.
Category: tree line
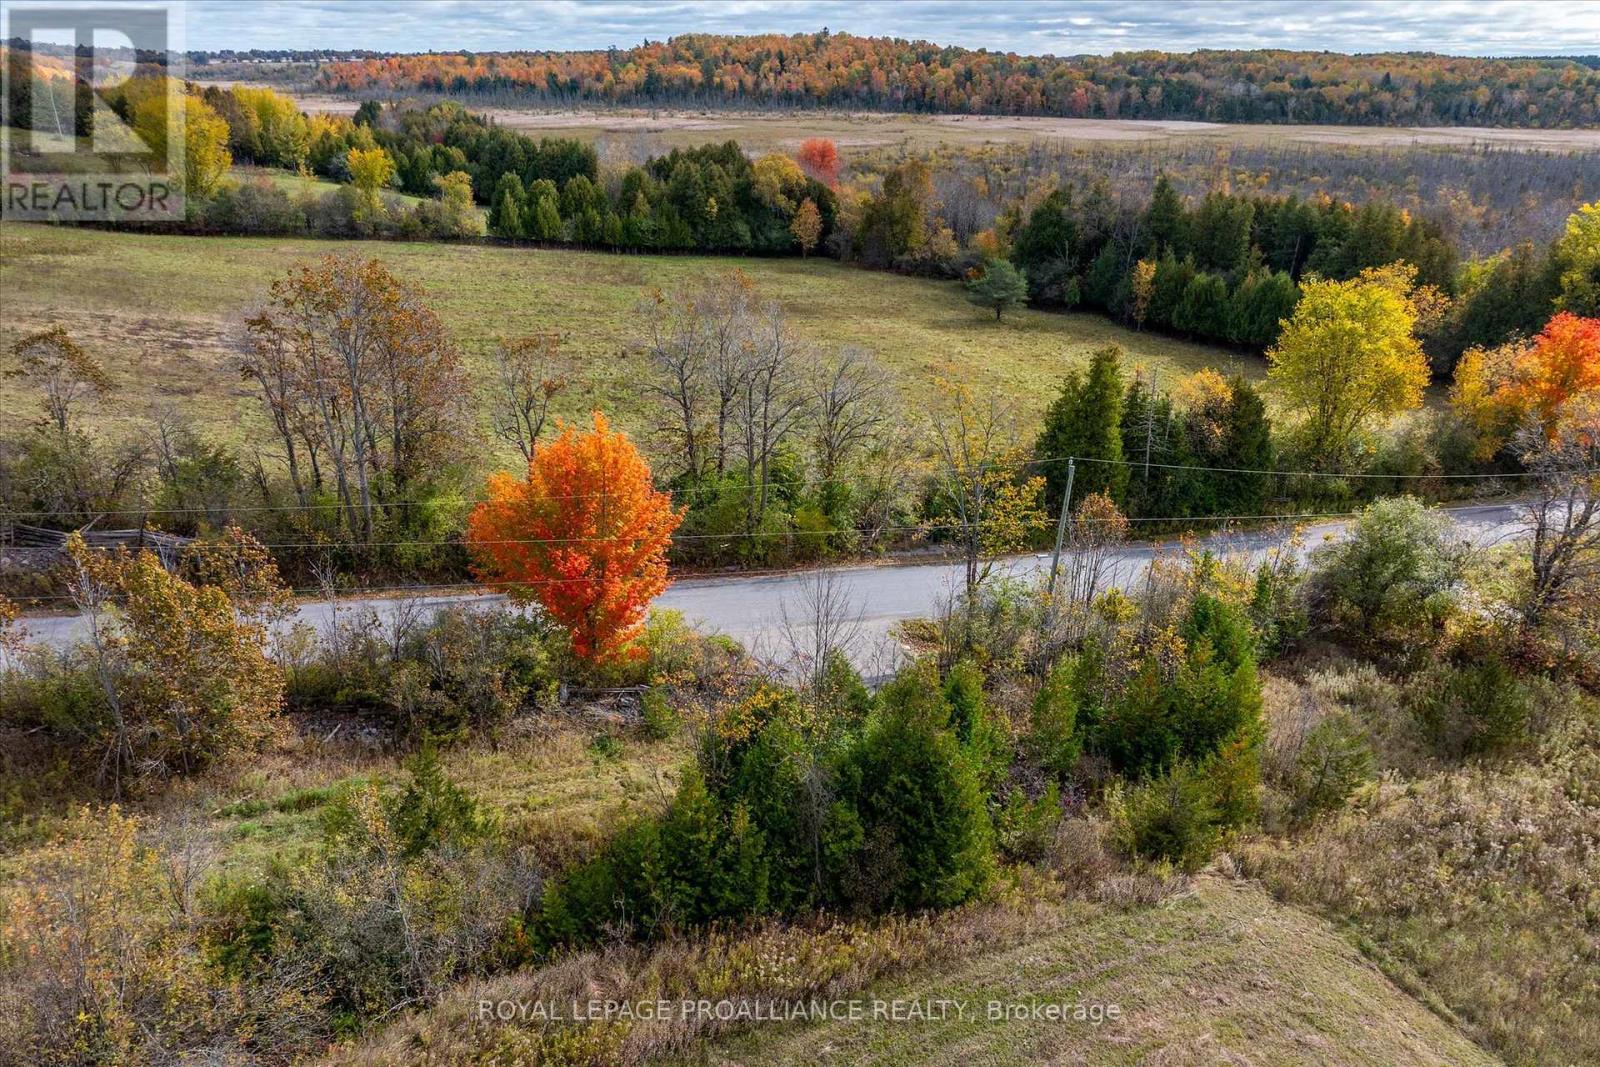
(888, 74)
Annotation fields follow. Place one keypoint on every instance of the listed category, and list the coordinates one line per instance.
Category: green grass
(554, 787)
(165, 315)
(1223, 975)
(296, 184)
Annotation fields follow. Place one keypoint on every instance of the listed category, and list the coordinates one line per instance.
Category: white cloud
(1100, 26)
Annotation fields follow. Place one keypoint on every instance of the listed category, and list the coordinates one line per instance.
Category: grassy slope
(553, 785)
(164, 314)
(1224, 975)
(295, 184)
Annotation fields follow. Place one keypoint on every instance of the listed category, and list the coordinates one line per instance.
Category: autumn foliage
(1498, 389)
(584, 535)
(893, 74)
(820, 160)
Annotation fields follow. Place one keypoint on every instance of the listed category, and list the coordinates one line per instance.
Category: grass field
(165, 316)
(1220, 975)
(783, 130)
(295, 184)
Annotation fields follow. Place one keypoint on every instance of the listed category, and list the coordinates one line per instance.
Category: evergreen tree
(1000, 286)
(506, 211)
(1247, 445)
(1164, 221)
(1085, 421)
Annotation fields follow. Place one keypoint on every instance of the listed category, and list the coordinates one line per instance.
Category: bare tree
(824, 619)
(528, 376)
(1562, 516)
(850, 403)
(770, 401)
(675, 347)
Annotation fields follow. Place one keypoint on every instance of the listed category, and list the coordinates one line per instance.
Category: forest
(871, 73)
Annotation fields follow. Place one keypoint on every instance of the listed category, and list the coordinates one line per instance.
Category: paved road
(754, 610)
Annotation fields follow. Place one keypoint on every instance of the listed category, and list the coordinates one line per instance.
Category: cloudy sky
(1059, 27)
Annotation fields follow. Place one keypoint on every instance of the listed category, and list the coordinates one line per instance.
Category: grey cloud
(1061, 27)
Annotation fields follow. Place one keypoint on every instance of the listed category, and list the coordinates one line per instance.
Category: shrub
(1053, 739)
(1172, 818)
(1471, 709)
(1393, 577)
(656, 715)
(841, 689)
(1211, 698)
(175, 683)
(408, 890)
(1333, 762)
(1026, 828)
(97, 959)
(437, 679)
(983, 739)
(916, 795)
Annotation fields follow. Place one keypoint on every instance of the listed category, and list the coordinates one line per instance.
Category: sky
(1057, 27)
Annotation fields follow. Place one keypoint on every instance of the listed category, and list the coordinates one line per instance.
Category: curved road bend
(751, 609)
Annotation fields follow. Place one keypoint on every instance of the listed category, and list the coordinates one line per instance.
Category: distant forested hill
(886, 74)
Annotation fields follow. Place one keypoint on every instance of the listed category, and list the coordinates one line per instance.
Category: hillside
(165, 315)
(885, 74)
(1218, 974)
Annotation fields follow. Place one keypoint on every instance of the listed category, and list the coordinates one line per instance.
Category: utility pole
(1061, 528)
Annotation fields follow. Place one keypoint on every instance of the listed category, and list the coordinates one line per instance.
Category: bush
(408, 890)
(1026, 829)
(1053, 739)
(1172, 818)
(254, 207)
(1471, 709)
(435, 680)
(917, 797)
(656, 715)
(1393, 578)
(175, 683)
(1334, 761)
(1211, 698)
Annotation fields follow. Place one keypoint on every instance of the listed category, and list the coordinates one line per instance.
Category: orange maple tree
(1563, 363)
(1499, 389)
(820, 160)
(584, 535)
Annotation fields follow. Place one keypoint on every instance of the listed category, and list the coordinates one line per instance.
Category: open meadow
(782, 130)
(165, 314)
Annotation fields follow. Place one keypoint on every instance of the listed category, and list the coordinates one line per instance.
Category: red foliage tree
(820, 160)
(584, 535)
(1564, 363)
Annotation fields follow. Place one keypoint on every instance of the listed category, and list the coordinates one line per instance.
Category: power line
(468, 588)
(750, 488)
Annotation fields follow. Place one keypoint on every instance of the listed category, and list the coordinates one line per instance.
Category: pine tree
(1247, 447)
(1085, 421)
(1164, 221)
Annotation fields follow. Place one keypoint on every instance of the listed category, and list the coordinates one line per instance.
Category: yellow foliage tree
(371, 169)
(806, 226)
(206, 158)
(1348, 357)
(777, 180)
(992, 507)
(184, 679)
